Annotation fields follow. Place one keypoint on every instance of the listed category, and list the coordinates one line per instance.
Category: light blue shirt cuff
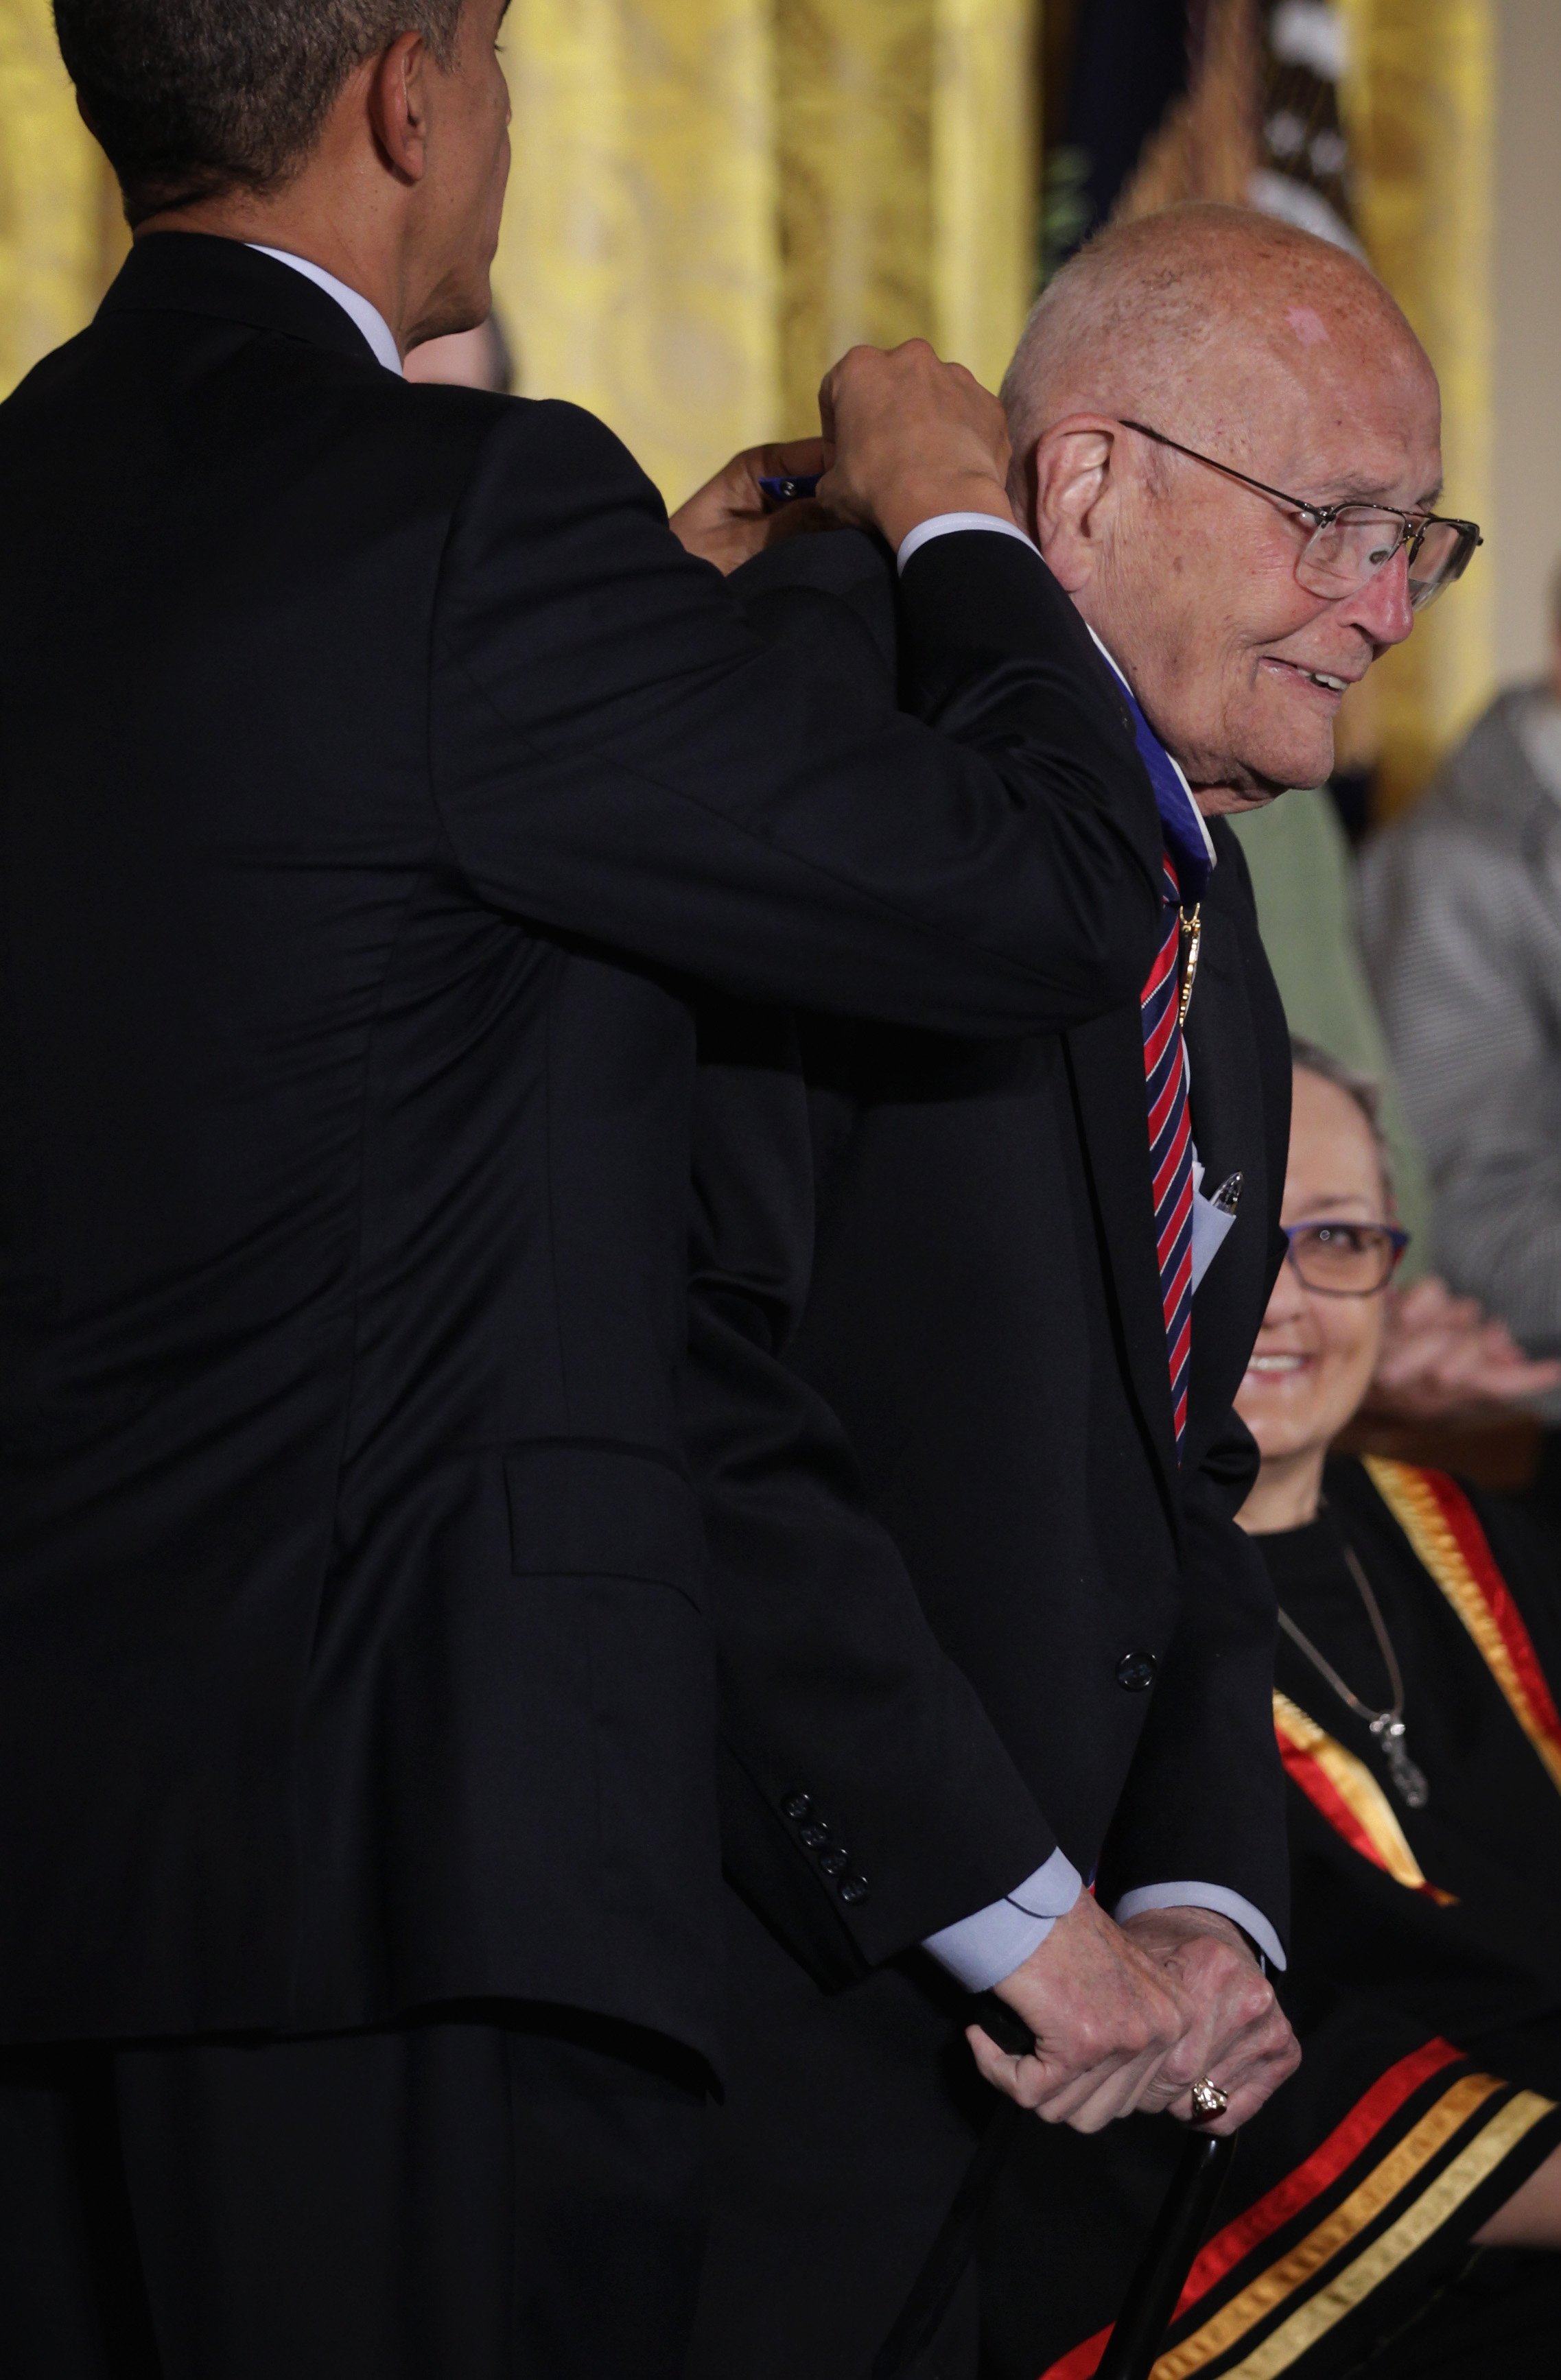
(1217, 1897)
(947, 524)
(979, 1950)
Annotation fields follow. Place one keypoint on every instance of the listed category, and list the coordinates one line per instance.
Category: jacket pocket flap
(594, 1511)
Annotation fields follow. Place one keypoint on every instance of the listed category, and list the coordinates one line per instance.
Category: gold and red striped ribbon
(1499, 2122)
(1348, 1796)
(1440, 1523)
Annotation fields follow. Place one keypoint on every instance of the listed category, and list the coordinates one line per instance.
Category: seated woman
(1389, 2211)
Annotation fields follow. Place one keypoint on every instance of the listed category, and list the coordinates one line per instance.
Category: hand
(1532, 2216)
(1105, 2018)
(730, 518)
(1442, 1356)
(907, 437)
(1238, 2034)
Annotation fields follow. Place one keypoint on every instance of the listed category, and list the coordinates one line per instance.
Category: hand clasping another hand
(1129, 2017)
(1238, 2034)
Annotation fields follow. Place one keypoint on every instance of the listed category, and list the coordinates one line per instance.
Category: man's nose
(1381, 609)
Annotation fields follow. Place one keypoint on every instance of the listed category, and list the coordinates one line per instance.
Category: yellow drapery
(59, 235)
(712, 198)
(1420, 101)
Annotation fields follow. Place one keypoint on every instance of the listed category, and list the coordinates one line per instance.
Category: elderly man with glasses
(1026, 1278)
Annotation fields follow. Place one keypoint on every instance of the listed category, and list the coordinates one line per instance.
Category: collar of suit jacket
(194, 272)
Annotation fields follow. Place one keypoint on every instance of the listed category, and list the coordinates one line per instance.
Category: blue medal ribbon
(1186, 838)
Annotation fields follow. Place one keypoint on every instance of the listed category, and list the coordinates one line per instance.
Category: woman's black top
(1425, 1982)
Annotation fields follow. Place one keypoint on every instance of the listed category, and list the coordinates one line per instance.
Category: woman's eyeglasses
(1345, 1259)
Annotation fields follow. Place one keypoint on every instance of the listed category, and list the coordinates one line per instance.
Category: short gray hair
(1364, 1089)
(193, 99)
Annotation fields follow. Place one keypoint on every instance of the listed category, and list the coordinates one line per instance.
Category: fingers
(1249, 2073)
(1131, 2018)
(1105, 2018)
(731, 518)
(787, 458)
(1443, 1353)
(1085, 2099)
(1092, 2102)
(1237, 2034)
(910, 436)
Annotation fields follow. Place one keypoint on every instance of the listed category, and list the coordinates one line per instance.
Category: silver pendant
(1408, 1781)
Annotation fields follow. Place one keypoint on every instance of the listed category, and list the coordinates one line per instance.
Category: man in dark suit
(377, 770)
(998, 1313)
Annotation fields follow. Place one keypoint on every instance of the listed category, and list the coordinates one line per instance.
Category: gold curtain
(61, 235)
(639, 267)
(1419, 99)
(712, 199)
(709, 199)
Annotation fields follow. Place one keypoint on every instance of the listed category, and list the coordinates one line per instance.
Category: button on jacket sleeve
(616, 755)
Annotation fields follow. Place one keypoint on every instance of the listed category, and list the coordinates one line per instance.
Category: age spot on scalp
(1307, 323)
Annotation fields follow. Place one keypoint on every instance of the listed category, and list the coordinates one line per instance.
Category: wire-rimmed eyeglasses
(1349, 544)
(1343, 1259)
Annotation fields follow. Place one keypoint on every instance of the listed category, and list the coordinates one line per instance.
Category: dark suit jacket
(967, 1300)
(374, 765)
(930, 1404)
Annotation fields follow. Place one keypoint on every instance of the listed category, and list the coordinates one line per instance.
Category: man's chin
(1224, 801)
(1283, 763)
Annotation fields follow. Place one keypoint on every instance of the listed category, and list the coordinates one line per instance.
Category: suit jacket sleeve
(1205, 1798)
(866, 1798)
(614, 754)
(856, 1753)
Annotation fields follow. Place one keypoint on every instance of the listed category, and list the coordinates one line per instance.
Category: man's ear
(1075, 492)
(397, 99)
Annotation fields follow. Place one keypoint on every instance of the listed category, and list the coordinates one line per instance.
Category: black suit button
(835, 1863)
(1136, 1671)
(796, 1806)
(853, 1890)
(815, 1834)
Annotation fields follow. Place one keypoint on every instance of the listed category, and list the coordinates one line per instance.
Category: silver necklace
(1387, 1726)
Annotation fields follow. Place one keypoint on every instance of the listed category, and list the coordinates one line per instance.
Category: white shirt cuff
(979, 1950)
(947, 524)
(1217, 1897)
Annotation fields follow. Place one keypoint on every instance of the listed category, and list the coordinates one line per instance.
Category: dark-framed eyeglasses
(1340, 1259)
(1349, 544)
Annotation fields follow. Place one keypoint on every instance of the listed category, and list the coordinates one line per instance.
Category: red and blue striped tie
(1170, 1147)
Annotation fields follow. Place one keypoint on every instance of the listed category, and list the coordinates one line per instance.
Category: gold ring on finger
(1208, 2099)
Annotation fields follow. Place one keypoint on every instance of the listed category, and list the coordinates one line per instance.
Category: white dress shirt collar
(369, 318)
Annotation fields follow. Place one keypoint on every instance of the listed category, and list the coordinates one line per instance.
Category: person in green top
(1302, 877)
(1441, 1357)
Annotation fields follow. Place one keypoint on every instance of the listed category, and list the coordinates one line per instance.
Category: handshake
(1129, 2017)
(906, 437)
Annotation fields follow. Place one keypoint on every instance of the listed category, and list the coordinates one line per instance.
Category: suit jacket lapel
(1228, 1127)
(1105, 1059)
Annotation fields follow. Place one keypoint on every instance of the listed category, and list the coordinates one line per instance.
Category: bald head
(1191, 318)
(1266, 356)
